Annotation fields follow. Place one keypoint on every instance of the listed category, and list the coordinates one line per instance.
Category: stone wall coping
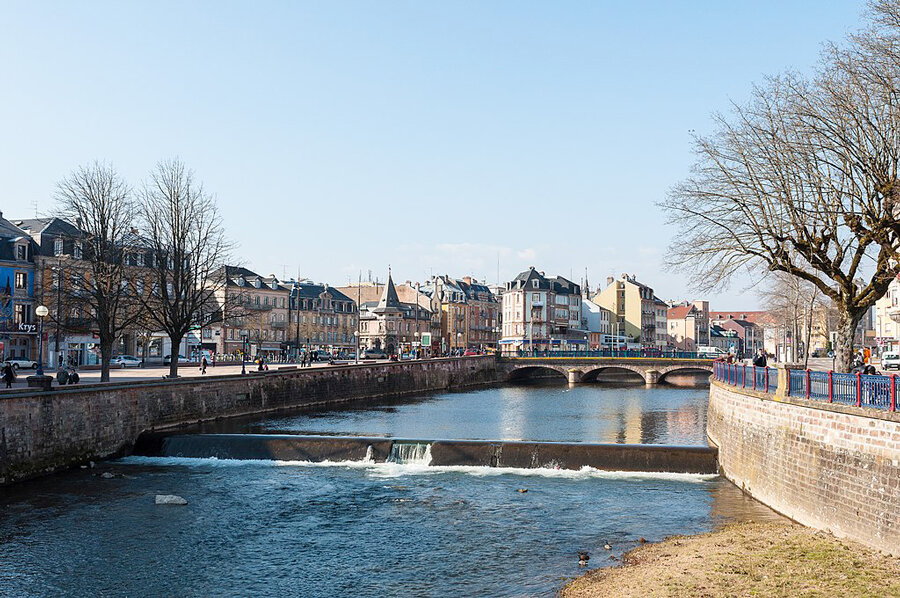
(22, 393)
(811, 404)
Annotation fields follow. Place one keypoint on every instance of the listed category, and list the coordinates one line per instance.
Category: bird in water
(523, 490)
(583, 558)
(607, 546)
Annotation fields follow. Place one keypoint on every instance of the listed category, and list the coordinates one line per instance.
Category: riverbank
(745, 559)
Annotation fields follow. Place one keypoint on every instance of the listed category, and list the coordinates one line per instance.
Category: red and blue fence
(861, 390)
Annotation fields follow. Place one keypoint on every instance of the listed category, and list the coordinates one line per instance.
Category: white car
(127, 361)
(711, 353)
(890, 360)
(22, 363)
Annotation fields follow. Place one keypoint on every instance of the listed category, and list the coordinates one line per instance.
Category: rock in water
(169, 499)
(107, 475)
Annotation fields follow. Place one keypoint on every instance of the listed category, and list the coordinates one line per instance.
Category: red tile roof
(680, 312)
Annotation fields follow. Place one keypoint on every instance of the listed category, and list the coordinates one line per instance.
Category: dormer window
(57, 246)
(140, 260)
(534, 284)
(257, 283)
(77, 251)
(22, 252)
(240, 281)
(274, 285)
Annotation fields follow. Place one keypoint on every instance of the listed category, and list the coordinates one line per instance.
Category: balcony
(894, 313)
(257, 306)
(279, 325)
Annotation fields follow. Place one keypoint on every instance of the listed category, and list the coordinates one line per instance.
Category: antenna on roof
(35, 204)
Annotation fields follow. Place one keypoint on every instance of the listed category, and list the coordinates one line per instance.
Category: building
(18, 323)
(748, 336)
(684, 328)
(469, 312)
(634, 310)
(541, 313)
(254, 310)
(887, 319)
(422, 310)
(394, 326)
(320, 317)
(660, 311)
(596, 320)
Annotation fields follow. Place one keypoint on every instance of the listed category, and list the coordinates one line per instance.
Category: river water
(262, 528)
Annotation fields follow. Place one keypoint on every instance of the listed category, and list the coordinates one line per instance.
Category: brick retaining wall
(830, 467)
(41, 432)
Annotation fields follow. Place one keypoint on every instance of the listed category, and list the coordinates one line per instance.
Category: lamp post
(417, 341)
(41, 312)
(244, 352)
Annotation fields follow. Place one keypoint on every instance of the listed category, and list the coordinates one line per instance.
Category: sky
(339, 138)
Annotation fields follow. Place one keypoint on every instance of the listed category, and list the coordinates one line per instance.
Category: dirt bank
(747, 559)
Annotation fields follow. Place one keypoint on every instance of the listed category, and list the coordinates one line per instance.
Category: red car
(470, 353)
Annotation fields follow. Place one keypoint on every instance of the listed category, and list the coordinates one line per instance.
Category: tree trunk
(105, 358)
(848, 319)
(173, 364)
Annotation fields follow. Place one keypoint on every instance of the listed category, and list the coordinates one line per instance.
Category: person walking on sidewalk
(203, 365)
(9, 374)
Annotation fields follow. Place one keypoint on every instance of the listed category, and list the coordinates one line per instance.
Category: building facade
(320, 317)
(540, 313)
(18, 323)
(394, 326)
(633, 307)
(887, 319)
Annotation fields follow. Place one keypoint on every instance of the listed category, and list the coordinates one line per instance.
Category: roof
(389, 302)
(680, 312)
(750, 316)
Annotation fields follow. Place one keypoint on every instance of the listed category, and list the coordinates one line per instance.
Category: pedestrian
(760, 359)
(9, 374)
(203, 365)
(259, 363)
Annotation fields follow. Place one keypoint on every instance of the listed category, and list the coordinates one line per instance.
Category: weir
(479, 453)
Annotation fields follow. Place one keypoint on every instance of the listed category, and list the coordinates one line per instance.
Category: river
(266, 528)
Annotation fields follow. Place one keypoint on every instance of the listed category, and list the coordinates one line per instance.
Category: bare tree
(802, 180)
(796, 304)
(183, 230)
(100, 204)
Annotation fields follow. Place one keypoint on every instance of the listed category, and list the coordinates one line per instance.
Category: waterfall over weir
(479, 453)
(408, 453)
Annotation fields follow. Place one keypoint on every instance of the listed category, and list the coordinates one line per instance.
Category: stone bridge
(585, 369)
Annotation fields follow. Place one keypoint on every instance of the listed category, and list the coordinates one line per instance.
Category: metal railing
(647, 353)
(860, 390)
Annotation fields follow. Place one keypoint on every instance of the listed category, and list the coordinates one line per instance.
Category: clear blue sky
(432, 136)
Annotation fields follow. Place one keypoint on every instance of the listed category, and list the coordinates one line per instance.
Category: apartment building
(540, 313)
(634, 310)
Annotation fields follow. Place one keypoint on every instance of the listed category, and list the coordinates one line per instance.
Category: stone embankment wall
(830, 467)
(44, 431)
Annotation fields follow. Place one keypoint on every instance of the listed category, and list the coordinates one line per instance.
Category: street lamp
(458, 339)
(417, 339)
(41, 312)
(244, 335)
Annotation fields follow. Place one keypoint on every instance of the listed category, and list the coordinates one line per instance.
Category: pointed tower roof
(389, 302)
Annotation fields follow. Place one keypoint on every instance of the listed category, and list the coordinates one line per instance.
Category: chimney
(467, 279)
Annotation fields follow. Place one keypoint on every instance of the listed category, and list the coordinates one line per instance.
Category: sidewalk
(160, 372)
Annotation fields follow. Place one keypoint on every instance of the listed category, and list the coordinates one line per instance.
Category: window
(140, 259)
(22, 252)
(22, 313)
(77, 250)
(57, 246)
(21, 280)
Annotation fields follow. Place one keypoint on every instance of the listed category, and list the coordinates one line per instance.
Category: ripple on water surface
(270, 529)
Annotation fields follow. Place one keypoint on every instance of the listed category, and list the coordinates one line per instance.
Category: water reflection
(538, 412)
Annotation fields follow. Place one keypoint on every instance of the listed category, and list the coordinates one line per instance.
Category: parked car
(167, 360)
(126, 361)
(471, 352)
(890, 360)
(22, 363)
(374, 354)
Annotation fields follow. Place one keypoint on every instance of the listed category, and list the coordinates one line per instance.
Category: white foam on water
(396, 470)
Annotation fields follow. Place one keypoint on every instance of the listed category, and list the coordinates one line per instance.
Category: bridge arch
(683, 369)
(590, 374)
(522, 373)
